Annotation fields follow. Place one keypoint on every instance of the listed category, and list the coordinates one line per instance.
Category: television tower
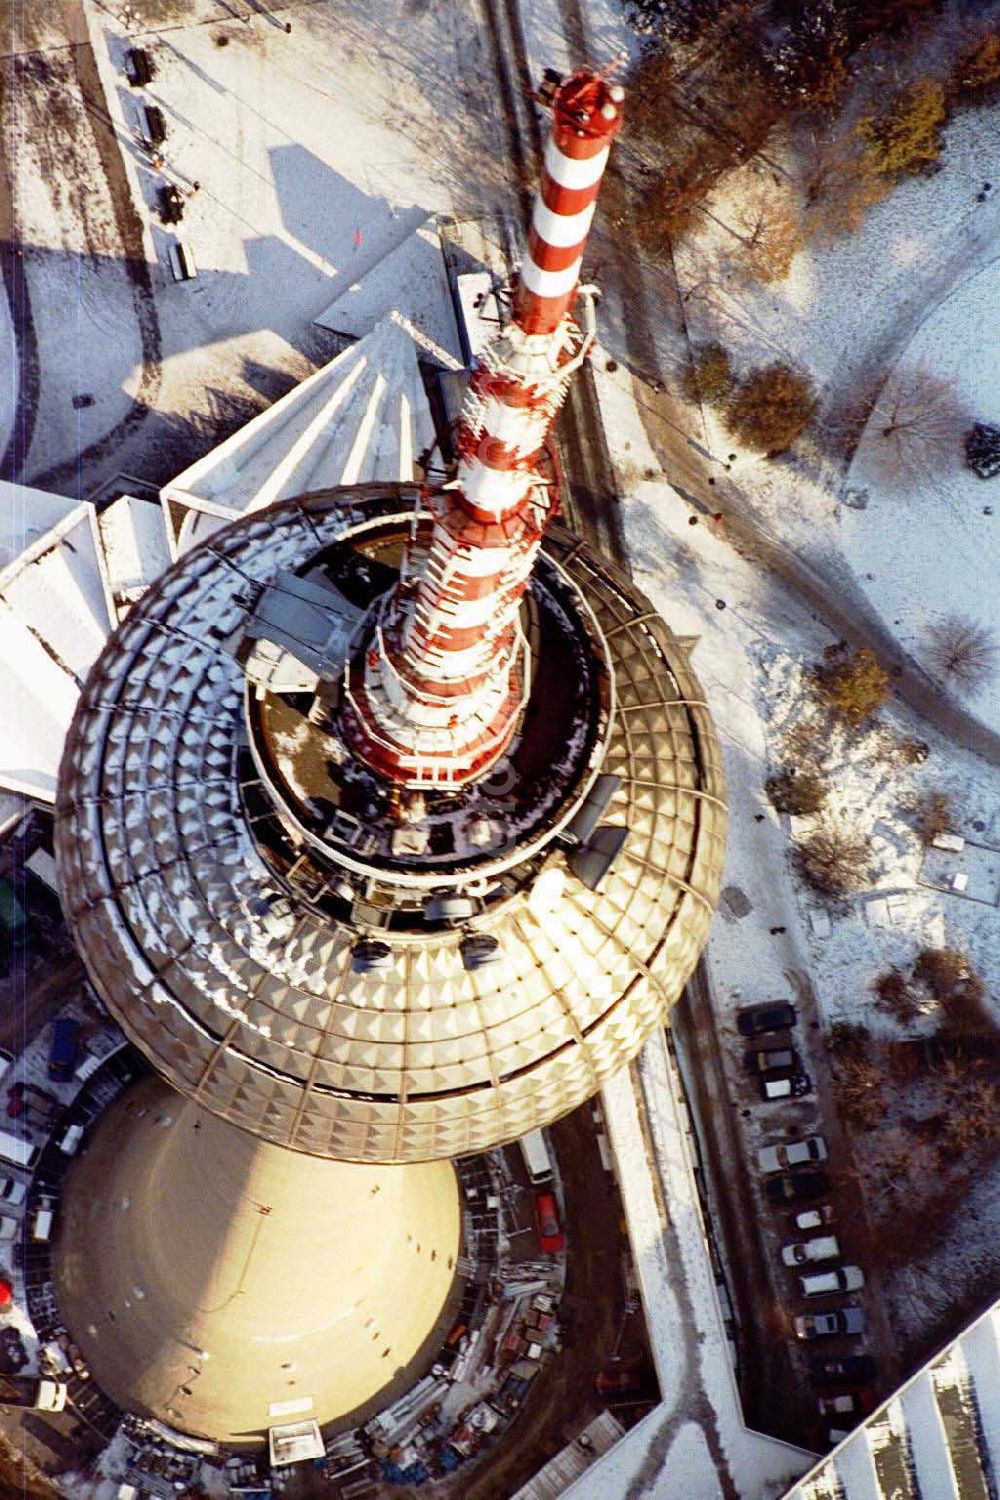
(390, 823)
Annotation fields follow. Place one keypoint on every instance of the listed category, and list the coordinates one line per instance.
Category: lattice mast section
(447, 671)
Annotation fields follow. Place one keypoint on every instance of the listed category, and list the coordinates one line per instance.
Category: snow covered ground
(753, 657)
(949, 561)
(916, 285)
(316, 154)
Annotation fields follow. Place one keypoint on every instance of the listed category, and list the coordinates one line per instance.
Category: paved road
(69, 15)
(592, 1310)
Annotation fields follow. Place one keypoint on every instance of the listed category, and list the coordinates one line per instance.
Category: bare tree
(835, 859)
(962, 652)
(770, 231)
(916, 427)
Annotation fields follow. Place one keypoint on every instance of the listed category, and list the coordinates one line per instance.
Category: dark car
(756, 1019)
(771, 1060)
(836, 1370)
(791, 1186)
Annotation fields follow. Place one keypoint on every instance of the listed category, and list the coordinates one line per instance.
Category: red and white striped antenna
(447, 672)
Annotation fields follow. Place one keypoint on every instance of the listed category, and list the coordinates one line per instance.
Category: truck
(536, 1158)
(29, 1390)
(63, 1048)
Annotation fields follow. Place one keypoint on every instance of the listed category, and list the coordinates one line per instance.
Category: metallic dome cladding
(163, 883)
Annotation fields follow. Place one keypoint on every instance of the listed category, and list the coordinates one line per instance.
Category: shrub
(934, 816)
(858, 1090)
(913, 752)
(852, 683)
(978, 66)
(894, 996)
(958, 989)
(799, 796)
(907, 137)
(848, 1038)
(834, 860)
(962, 652)
(769, 408)
(709, 376)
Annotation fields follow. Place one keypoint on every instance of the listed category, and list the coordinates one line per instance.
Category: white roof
(134, 543)
(410, 281)
(939, 1434)
(60, 597)
(363, 416)
(25, 515)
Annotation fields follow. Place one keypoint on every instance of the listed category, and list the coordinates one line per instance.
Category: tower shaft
(445, 676)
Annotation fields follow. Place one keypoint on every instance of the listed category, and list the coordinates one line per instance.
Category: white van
(41, 1228)
(820, 1283)
(16, 1149)
(536, 1158)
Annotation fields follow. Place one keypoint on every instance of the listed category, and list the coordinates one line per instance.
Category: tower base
(225, 1285)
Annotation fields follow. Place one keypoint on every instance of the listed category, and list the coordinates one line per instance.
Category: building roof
(225, 1286)
(164, 883)
(937, 1435)
(410, 283)
(71, 581)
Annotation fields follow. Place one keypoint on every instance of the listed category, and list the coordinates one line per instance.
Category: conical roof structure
(363, 416)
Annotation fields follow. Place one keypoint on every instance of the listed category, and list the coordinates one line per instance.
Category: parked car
(770, 1059)
(792, 1185)
(844, 1320)
(41, 1225)
(550, 1235)
(822, 1283)
(842, 1368)
(9, 1227)
(801, 1253)
(755, 1019)
(787, 1154)
(785, 1085)
(39, 1108)
(12, 1191)
(813, 1218)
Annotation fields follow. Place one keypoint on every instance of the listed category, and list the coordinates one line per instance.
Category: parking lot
(818, 1251)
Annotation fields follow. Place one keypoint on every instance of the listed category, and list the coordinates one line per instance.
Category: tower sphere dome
(343, 969)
